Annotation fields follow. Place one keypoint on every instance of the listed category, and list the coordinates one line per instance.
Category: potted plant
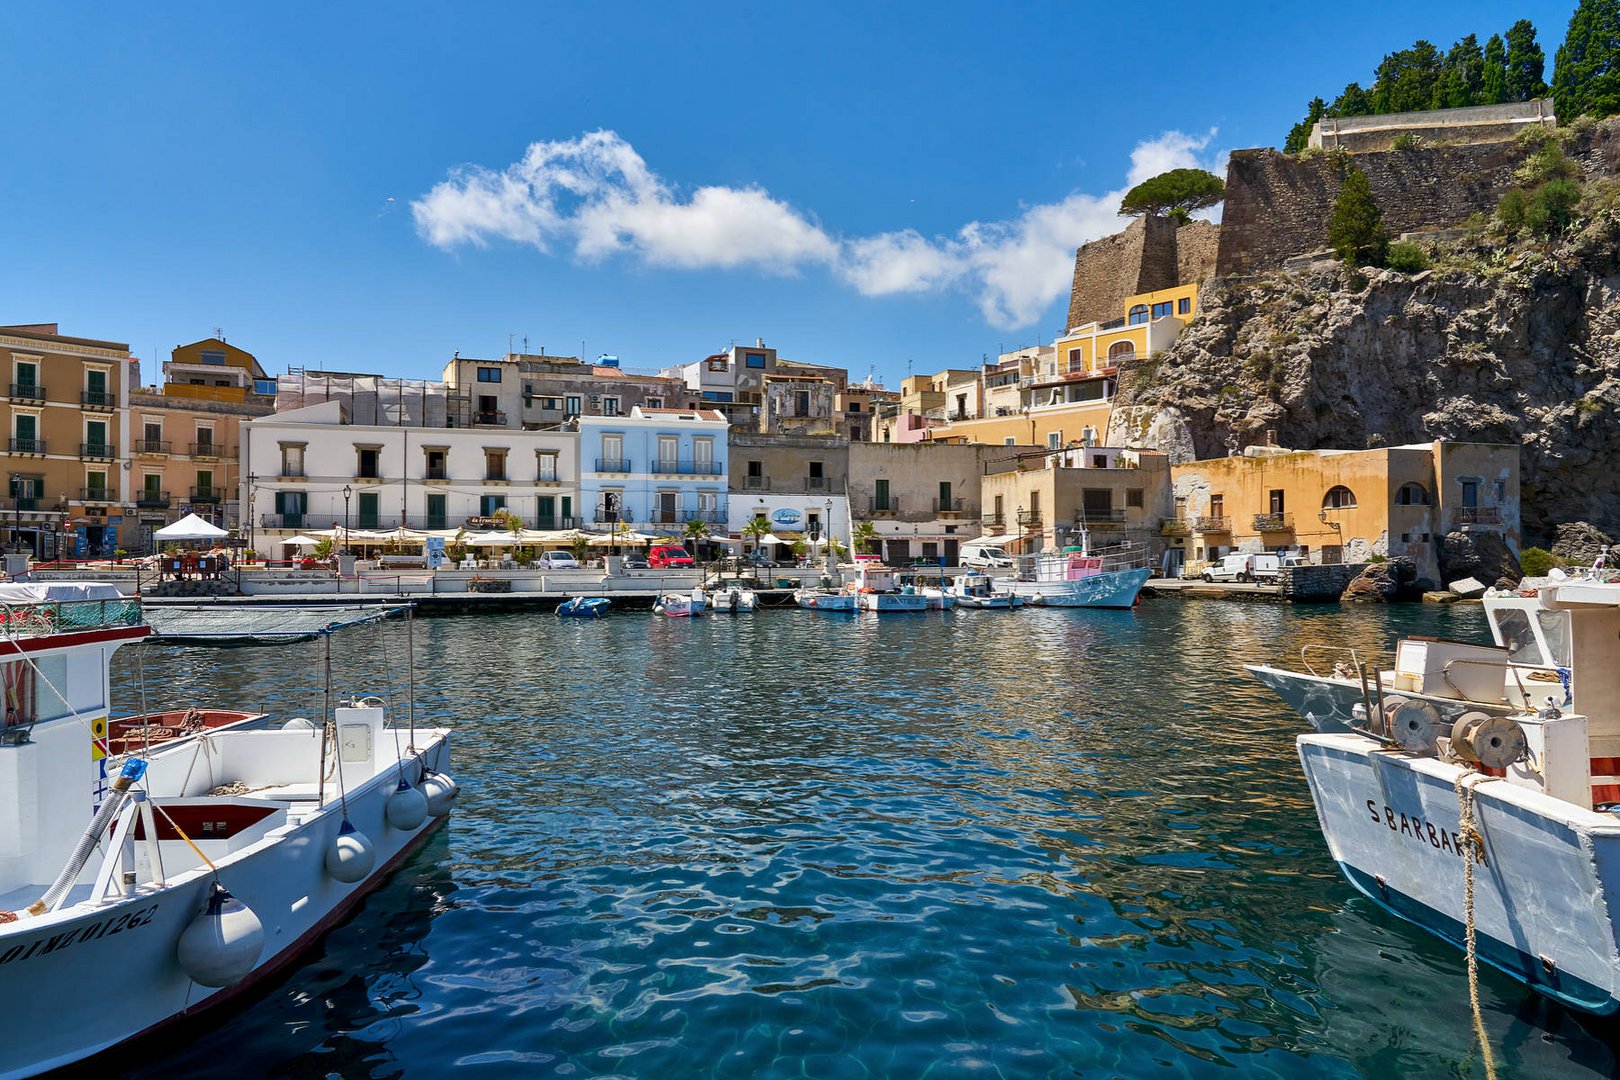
(119, 555)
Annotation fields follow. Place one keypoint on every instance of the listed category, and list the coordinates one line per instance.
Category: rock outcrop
(1580, 542)
(1485, 347)
(1484, 556)
(1382, 582)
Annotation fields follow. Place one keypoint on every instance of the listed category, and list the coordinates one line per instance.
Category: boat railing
(1509, 669)
(1344, 650)
(46, 617)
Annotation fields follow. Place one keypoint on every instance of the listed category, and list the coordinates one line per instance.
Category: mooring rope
(1475, 845)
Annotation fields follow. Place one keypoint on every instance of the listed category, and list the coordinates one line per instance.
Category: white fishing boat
(825, 600)
(937, 598)
(733, 600)
(1074, 577)
(141, 888)
(681, 605)
(877, 589)
(976, 590)
(1497, 829)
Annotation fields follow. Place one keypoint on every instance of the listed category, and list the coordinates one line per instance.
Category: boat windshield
(1524, 645)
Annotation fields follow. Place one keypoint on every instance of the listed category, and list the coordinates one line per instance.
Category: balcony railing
(1208, 523)
(1273, 522)
(207, 494)
(1113, 515)
(152, 499)
(205, 450)
(1029, 519)
(496, 419)
(757, 483)
(614, 465)
(686, 468)
(1477, 515)
(817, 483)
(27, 446)
(993, 521)
(27, 392)
(98, 399)
(606, 514)
(97, 450)
(948, 506)
(884, 507)
(283, 521)
(97, 495)
(152, 446)
(1175, 527)
(556, 523)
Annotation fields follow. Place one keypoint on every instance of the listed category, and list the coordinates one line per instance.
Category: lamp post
(347, 491)
(250, 509)
(1338, 531)
(16, 510)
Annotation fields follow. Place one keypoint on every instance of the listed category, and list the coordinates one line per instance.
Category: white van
(984, 555)
(1254, 566)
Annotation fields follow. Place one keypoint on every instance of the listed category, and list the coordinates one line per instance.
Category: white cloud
(597, 195)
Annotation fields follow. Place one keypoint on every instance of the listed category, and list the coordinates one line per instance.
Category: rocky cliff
(1505, 345)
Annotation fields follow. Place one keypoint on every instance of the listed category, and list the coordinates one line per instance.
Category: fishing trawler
(1074, 577)
(1479, 802)
(160, 874)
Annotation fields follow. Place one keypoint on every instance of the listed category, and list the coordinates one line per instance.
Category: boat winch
(1494, 742)
(440, 791)
(1416, 725)
(406, 808)
(223, 943)
(350, 856)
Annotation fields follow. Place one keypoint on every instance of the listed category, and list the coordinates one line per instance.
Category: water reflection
(785, 845)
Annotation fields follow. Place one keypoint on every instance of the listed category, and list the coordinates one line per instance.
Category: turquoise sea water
(1043, 843)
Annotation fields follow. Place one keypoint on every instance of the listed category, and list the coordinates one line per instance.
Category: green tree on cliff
(1494, 78)
(1175, 194)
(1407, 80)
(1300, 134)
(1462, 82)
(1352, 102)
(1586, 78)
(1525, 62)
(1356, 228)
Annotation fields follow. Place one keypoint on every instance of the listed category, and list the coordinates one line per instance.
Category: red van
(664, 556)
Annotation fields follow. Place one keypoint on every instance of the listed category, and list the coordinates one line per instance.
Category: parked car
(1251, 566)
(636, 561)
(757, 559)
(557, 560)
(985, 556)
(665, 556)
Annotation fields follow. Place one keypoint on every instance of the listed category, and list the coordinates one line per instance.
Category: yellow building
(1045, 500)
(1151, 323)
(66, 426)
(186, 442)
(1344, 505)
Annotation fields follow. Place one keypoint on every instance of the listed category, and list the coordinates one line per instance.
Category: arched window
(1339, 497)
(1138, 314)
(1411, 495)
(1121, 350)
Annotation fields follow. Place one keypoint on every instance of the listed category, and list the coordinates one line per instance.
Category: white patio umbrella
(190, 527)
(300, 541)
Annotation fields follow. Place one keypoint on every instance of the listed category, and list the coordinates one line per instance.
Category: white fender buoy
(350, 856)
(222, 944)
(441, 790)
(406, 808)
(299, 723)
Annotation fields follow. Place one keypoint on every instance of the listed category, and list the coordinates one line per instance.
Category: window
(1077, 360)
(610, 406)
(152, 486)
(945, 500)
(880, 494)
(718, 395)
(436, 502)
(754, 360)
(27, 376)
(551, 404)
(1099, 461)
(1470, 493)
(1275, 500)
(1054, 440)
(95, 381)
(487, 413)
(152, 431)
(703, 455)
(1007, 441)
(1217, 506)
(1098, 502)
(367, 462)
(612, 454)
(816, 472)
(756, 469)
(266, 387)
(213, 357)
(366, 508)
(1339, 497)
(290, 507)
(205, 483)
(25, 489)
(1121, 350)
(1161, 311)
(669, 453)
(95, 437)
(1184, 305)
(292, 459)
(489, 374)
(654, 403)
(571, 406)
(495, 465)
(801, 403)
(1411, 494)
(25, 433)
(718, 363)
(436, 464)
(488, 504)
(1138, 314)
(545, 512)
(205, 438)
(1499, 488)
(545, 465)
(854, 407)
(1134, 498)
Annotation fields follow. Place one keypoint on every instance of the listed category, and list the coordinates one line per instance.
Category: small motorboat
(681, 605)
(974, 590)
(584, 607)
(937, 599)
(824, 600)
(733, 600)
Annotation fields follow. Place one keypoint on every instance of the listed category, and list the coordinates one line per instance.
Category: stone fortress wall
(1475, 124)
(1150, 253)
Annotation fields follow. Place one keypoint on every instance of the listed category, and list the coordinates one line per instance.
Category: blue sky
(883, 187)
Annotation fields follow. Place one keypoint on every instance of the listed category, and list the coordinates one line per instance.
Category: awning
(190, 527)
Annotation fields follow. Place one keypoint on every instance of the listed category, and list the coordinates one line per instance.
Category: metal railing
(1477, 515)
(1175, 527)
(158, 499)
(1210, 523)
(948, 506)
(97, 450)
(27, 392)
(890, 505)
(283, 521)
(614, 465)
(97, 494)
(1114, 515)
(496, 418)
(1273, 522)
(606, 515)
(98, 399)
(670, 467)
(65, 616)
(207, 494)
(206, 450)
(1028, 518)
(153, 446)
(817, 483)
(757, 483)
(26, 446)
(992, 521)
(556, 523)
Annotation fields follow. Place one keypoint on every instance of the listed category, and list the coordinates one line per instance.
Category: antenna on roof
(219, 332)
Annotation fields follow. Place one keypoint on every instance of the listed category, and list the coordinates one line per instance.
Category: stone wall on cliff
(1148, 254)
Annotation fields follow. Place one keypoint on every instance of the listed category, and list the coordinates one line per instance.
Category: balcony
(556, 523)
(686, 468)
(27, 392)
(490, 419)
(27, 446)
(98, 399)
(613, 465)
(153, 446)
(207, 494)
(283, 521)
(757, 483)
(434, 476)
(28, 504)
(97, 495)
(1274, 523)
(1476, 515)
(708, 517)
(97, 450)
(152, 500)
(993, 521)
(206, 450)
(948, 506)
(818, 483)
(1207, 523)
(608, 514)
(883, 507)
(1175, 527)
(1029, 519)
(1112, 515)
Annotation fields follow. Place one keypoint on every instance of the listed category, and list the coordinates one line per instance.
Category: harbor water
(1031, 844)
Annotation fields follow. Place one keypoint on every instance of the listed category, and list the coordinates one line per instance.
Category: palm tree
(866, 536)
(695, 531)
(755, 530)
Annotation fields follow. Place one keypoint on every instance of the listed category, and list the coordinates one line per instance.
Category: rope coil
(1468, 829)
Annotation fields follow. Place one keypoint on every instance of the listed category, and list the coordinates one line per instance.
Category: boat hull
(1328, 703)
(1542, 896)
(1112, 589)
(892, 603)
(838, 603)
(52, 966)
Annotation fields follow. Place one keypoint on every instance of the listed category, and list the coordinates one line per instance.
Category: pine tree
(1407, 80)
(1356, 228)
(1494, 78)
(1586, 78)
(1353, 102)
(1525, 62)
(1465, 65)
(1300, 134)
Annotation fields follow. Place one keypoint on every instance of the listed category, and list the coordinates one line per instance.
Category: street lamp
(250, 509)
(16, 509)
(347, 491)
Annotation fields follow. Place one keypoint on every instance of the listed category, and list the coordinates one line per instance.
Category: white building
(309, 468)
